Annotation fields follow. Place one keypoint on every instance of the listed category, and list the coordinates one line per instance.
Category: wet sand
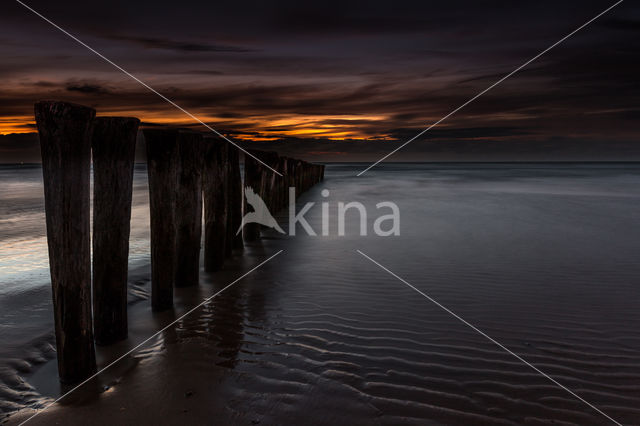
(544, 261)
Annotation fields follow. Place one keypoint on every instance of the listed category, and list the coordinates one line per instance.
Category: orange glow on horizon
(269, 128)
(333, 127)
(17, 124)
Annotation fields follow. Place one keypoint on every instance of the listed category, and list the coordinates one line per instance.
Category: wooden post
(252, 179)
(65, 144)
(267, 189)
(235, 198)
(228, 225)
(234, 190)
(189, 208)
(114, 145)
(162, 164)
(215, 203)
(299, 174)
(291, 175)
(305, 172)
(281, 182)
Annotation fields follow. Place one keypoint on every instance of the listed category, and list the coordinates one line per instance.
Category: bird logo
(260, 213)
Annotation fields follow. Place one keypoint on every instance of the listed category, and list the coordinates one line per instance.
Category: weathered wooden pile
(186, 169)
(273, 189)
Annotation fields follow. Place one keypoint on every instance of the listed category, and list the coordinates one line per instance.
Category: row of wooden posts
(186, 169)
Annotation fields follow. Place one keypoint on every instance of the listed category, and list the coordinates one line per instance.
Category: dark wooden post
(299, 174)
(235, 198)
(189, 208)
(228, 225)
(291, 175)
(305, 172)
(114, 145)
(303, 175)
(252, 179)
(65, 144)
(215, 203)
(234, 192)
(275, 187)
(267, 190)
(162, 163)
(282, 183)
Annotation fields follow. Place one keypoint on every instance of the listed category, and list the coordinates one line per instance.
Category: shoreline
(30, 372)
(42, 378)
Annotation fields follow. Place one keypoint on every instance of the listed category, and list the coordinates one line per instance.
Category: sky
(338, 81)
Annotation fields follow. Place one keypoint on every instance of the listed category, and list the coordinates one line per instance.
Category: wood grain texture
(189, 208)
(252, 179)
(65, 142)
(216, 190)
(162, 169)
(268, 180)
(281, 184)
(235, 198)
(113, 145)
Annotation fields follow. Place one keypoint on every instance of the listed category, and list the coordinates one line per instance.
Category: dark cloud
(204, 72)
(181, 46)
(458, 150)
(45, 84)
(632, 25)
(378, 70)
(464, 133)
(18, 148)
(320, 19)
(87, 88)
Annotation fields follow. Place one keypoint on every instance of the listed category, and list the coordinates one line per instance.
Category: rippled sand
(542, 259)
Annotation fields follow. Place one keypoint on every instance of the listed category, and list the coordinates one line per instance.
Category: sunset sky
(337, 80)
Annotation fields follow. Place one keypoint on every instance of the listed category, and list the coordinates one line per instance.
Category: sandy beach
(540, 257)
